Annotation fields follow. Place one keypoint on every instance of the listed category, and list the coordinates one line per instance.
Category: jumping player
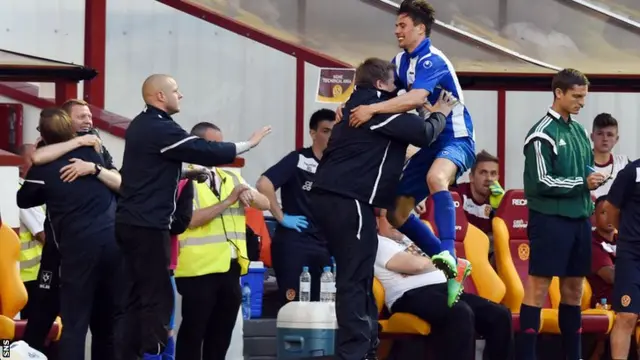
(424, 71)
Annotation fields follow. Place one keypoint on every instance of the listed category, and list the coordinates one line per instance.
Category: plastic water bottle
(246, 301)
(327, 285)
(603, 304)
(335, 276)
(305, 285)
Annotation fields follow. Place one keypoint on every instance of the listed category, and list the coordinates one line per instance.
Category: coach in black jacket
(155, 148)
(359, 171)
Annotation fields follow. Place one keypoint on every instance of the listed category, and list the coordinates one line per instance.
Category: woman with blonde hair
(81, 215)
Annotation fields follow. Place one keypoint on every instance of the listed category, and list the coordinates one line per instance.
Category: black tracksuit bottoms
(90, 296)
(149, 304)
(349, 226)
(45, 302)
(210, 305)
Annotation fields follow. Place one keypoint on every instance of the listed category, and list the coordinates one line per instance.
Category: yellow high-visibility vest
(30, 255)
(207, 249)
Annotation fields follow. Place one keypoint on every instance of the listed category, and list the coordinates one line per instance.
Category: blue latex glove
(294, 222)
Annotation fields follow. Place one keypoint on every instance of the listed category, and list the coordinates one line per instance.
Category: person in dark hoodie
(81, 215)
(360, 171)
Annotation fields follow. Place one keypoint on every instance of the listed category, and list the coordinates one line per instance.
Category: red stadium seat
(472, 244)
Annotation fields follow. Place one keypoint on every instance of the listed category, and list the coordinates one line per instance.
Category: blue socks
(570, 322)
(445, 216)
(421, 235)
(168, 354)
(528, 336)
(170, 351)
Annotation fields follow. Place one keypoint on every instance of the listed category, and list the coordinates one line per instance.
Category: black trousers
(350, 229)
(290, 251)
(455, 328)
(90, 297)
(149, 303)
(32, 289)
(210, 305)
(44, 305)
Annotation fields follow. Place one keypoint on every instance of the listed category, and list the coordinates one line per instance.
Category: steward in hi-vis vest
(31, 241)
(212, 255)
(210, 248)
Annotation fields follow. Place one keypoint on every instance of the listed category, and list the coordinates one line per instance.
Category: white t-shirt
(617, 163)
(32, 219)
(396, 284)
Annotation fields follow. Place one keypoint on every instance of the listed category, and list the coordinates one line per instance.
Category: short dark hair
(420, 12)
(201, 128)
(604, 120)
(319, 116)
(372, 70)
(484, 156)
(599, 200)
(567, 79)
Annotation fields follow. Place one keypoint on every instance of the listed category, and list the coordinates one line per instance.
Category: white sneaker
(20, 350)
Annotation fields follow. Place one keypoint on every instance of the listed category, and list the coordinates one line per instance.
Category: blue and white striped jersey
(429, 69)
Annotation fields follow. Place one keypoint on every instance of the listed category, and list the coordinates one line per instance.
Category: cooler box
(255, 279)
(306, 329)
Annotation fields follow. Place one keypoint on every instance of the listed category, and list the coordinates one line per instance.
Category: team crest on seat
(291, 294)
(523, 252)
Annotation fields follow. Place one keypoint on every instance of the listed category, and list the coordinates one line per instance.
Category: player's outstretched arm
(405, 102)
(178, 145)
(412, 129)
(399, 104)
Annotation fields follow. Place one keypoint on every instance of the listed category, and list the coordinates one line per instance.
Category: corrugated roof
(507, 36)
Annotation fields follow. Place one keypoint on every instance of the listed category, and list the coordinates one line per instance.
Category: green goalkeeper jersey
(558, 158)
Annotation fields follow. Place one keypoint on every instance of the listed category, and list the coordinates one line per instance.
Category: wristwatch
(98, 169)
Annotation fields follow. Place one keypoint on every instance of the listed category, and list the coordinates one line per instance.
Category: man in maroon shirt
(477, 194)
(602, 255)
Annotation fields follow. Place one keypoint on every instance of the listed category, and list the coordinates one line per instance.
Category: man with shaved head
(155, 148)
